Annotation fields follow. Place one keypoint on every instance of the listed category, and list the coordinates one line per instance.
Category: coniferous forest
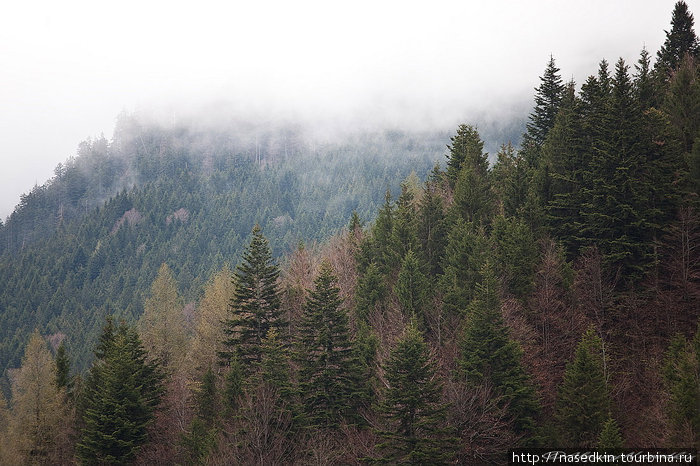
(249, 295)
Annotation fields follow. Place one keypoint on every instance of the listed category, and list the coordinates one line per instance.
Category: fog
(69, 68)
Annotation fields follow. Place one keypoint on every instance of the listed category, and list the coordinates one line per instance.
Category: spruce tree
(583, 403)
(516, 254)
(467, 149)
(682, 376)
(382, 236)
(123, 392)
(488, 354)
(432, 231)
(255, 306)
(412, 288)
(328, 367)
(405, 225)
(63, 379)
(464, 257)
(412, 406)
(370, 291)
(680, 40)
(610, 438)
(547, 100)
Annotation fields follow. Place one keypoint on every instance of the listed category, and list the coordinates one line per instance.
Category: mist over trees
(269, 306)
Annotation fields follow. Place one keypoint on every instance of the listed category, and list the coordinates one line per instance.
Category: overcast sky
(68, 68)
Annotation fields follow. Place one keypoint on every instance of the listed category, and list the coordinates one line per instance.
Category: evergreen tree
(583, 403)
(516, 254)
(123, 393)
(274, 368)
(682, 375)
(615, 210)
(63, 379)
(382, 236)
(473, 200)
(328, 365)
(547, 100)
(510, 182)
(432, 234)
(682, 103)
(412, 288)
(680, 40)
(610, 437)
(370, 291)
(464, 257)
(644, 85)
(255, 306)
(404, 234)
(413, 408)
(487, 354)
(467, 149)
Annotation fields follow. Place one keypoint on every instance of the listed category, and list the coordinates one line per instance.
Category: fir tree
(412, 407)
(680, 40)
(412, 288)
(370, 291)
(405, 225)
(487, 354)
(547, 99)
(682, 375)
(644, 85)
(123, 393)
(63, 379)
(432, 234)
(255, 306)
(516, 254)
(464, 257)
(583, 403)
(467, 149)
(610, 438)
(328, 365)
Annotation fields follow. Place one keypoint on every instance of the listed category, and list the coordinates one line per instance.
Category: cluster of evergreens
(548, 299)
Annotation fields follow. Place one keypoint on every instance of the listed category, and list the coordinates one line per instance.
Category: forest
(177, 296)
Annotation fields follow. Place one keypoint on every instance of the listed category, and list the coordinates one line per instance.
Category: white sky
(68, 68)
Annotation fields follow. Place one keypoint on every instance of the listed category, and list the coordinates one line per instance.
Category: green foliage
(467, 149)
(63, 379)
(583, 403)
(255, 306)
(412, 288)
(370, 291)
(123, 392)
(682, 375)
(412, 407)
(488, 354)
(329, 370)
(610, 437)
(516, 254)
(465, 254)
(680, 40)
(432, 231)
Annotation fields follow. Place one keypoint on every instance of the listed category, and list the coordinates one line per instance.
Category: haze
(69, 68)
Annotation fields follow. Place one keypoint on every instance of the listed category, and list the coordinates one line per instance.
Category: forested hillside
(548, 297)
(89, 242)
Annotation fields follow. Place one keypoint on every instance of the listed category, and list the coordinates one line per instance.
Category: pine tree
(487, 354)
(680, 40)
(412, 407)
(328, 366)
(255, 306)
(123, 392)
(583, 403)
(467, 149)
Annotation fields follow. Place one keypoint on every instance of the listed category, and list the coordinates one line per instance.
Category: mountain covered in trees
(547, 297)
